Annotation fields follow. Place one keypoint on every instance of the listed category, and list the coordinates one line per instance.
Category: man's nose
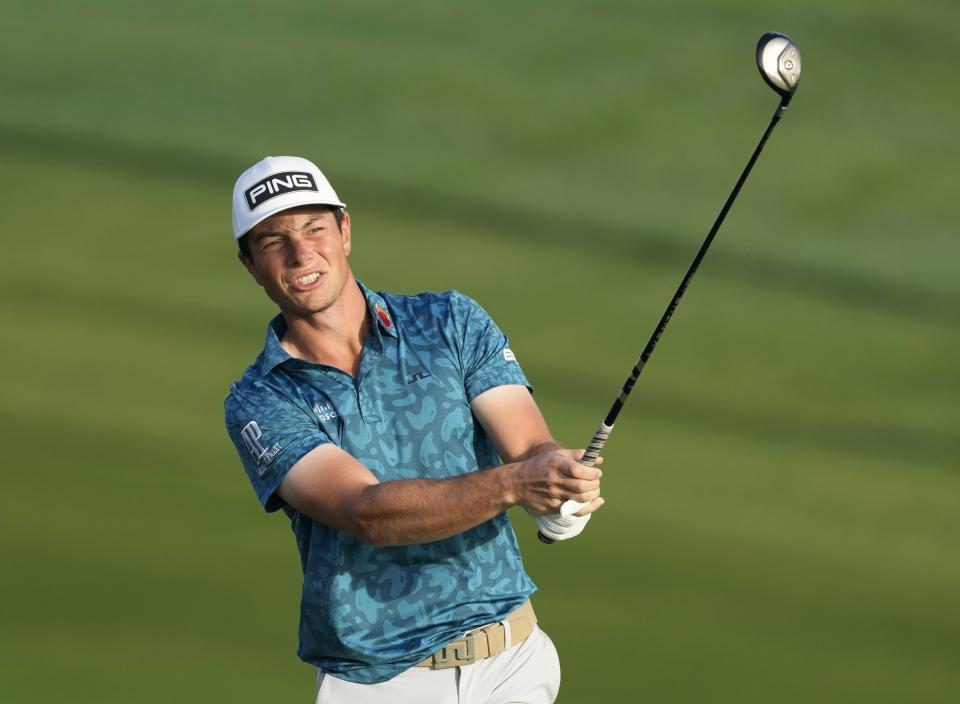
(299, 252)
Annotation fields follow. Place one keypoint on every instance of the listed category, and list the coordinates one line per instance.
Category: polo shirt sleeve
(271, 434)
(485, 355)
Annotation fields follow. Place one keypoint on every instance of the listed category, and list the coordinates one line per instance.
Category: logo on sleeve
(251, 435)
(278, 184)
(509, 355)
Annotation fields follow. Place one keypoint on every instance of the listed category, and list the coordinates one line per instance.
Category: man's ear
(345, 233)
(248, 265)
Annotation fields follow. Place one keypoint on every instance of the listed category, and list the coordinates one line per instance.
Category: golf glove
(558, 527)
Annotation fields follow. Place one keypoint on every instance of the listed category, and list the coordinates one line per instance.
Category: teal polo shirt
(369, 613)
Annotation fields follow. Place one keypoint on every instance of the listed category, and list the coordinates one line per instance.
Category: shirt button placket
(368, 407)
(366, 401)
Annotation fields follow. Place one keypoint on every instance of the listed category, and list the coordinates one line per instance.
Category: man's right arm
(332, 487)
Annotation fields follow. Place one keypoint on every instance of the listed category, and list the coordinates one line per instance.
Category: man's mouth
(307, 279)
(305, 282)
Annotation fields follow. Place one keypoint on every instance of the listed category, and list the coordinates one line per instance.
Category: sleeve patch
(251, 435)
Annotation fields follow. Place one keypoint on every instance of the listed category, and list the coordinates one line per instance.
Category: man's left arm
(513, 421)
(502, 402)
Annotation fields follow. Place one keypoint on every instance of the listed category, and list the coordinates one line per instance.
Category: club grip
(595, 447)
(590, 456)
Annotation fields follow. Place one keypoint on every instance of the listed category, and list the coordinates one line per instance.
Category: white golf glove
(558, 526)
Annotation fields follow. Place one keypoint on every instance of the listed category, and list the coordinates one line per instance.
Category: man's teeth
(308, 278)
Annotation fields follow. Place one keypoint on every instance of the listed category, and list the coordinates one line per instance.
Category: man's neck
(333, 337)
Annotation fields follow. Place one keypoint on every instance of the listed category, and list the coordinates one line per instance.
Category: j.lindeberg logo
(278, 184)
(417, 376)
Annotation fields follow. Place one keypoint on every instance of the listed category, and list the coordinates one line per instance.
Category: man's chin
(306, 310)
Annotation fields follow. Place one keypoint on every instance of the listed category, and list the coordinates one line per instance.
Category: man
(375, 422)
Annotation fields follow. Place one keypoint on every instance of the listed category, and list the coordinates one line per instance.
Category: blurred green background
(783, 517)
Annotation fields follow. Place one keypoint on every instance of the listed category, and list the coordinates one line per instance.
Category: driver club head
(778, 59)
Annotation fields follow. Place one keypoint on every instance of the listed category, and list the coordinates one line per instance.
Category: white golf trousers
(527, 673)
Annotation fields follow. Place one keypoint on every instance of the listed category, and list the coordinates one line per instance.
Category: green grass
(783, 489)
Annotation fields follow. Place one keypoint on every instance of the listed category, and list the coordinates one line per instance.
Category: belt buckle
(459, 652)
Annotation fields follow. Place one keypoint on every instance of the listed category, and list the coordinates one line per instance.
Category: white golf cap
(277, 183)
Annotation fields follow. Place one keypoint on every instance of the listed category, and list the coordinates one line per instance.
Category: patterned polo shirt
(368, 613)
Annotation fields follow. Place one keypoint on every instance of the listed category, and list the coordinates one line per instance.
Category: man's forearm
(423, 510)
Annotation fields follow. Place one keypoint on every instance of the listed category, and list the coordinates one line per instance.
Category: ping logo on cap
(278, 184)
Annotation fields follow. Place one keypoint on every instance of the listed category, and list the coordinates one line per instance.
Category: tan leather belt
(484, 642)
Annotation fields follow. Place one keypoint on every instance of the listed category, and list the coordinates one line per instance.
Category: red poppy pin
(384, 318)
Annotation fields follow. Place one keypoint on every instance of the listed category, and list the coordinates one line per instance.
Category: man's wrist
(506, 476)
(542, 447)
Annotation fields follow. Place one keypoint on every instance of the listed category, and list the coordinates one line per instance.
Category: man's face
(299, 256)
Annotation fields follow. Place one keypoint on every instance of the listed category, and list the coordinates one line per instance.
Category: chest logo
(324, 411)
(384, 318)
(417, 376)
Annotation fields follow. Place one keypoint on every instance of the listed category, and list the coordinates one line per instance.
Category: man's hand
(543, 482)
(562, 479)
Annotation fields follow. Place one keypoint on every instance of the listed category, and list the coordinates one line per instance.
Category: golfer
(377, 423)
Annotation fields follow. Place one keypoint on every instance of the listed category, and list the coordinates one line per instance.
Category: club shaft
(681, 289)
(602, 433)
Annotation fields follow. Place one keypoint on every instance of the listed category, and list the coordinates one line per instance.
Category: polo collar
(273, 353)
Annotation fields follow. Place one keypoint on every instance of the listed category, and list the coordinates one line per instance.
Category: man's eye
(315, 230)
(271, 244)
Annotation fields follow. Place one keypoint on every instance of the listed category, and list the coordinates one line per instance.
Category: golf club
(778, 60)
